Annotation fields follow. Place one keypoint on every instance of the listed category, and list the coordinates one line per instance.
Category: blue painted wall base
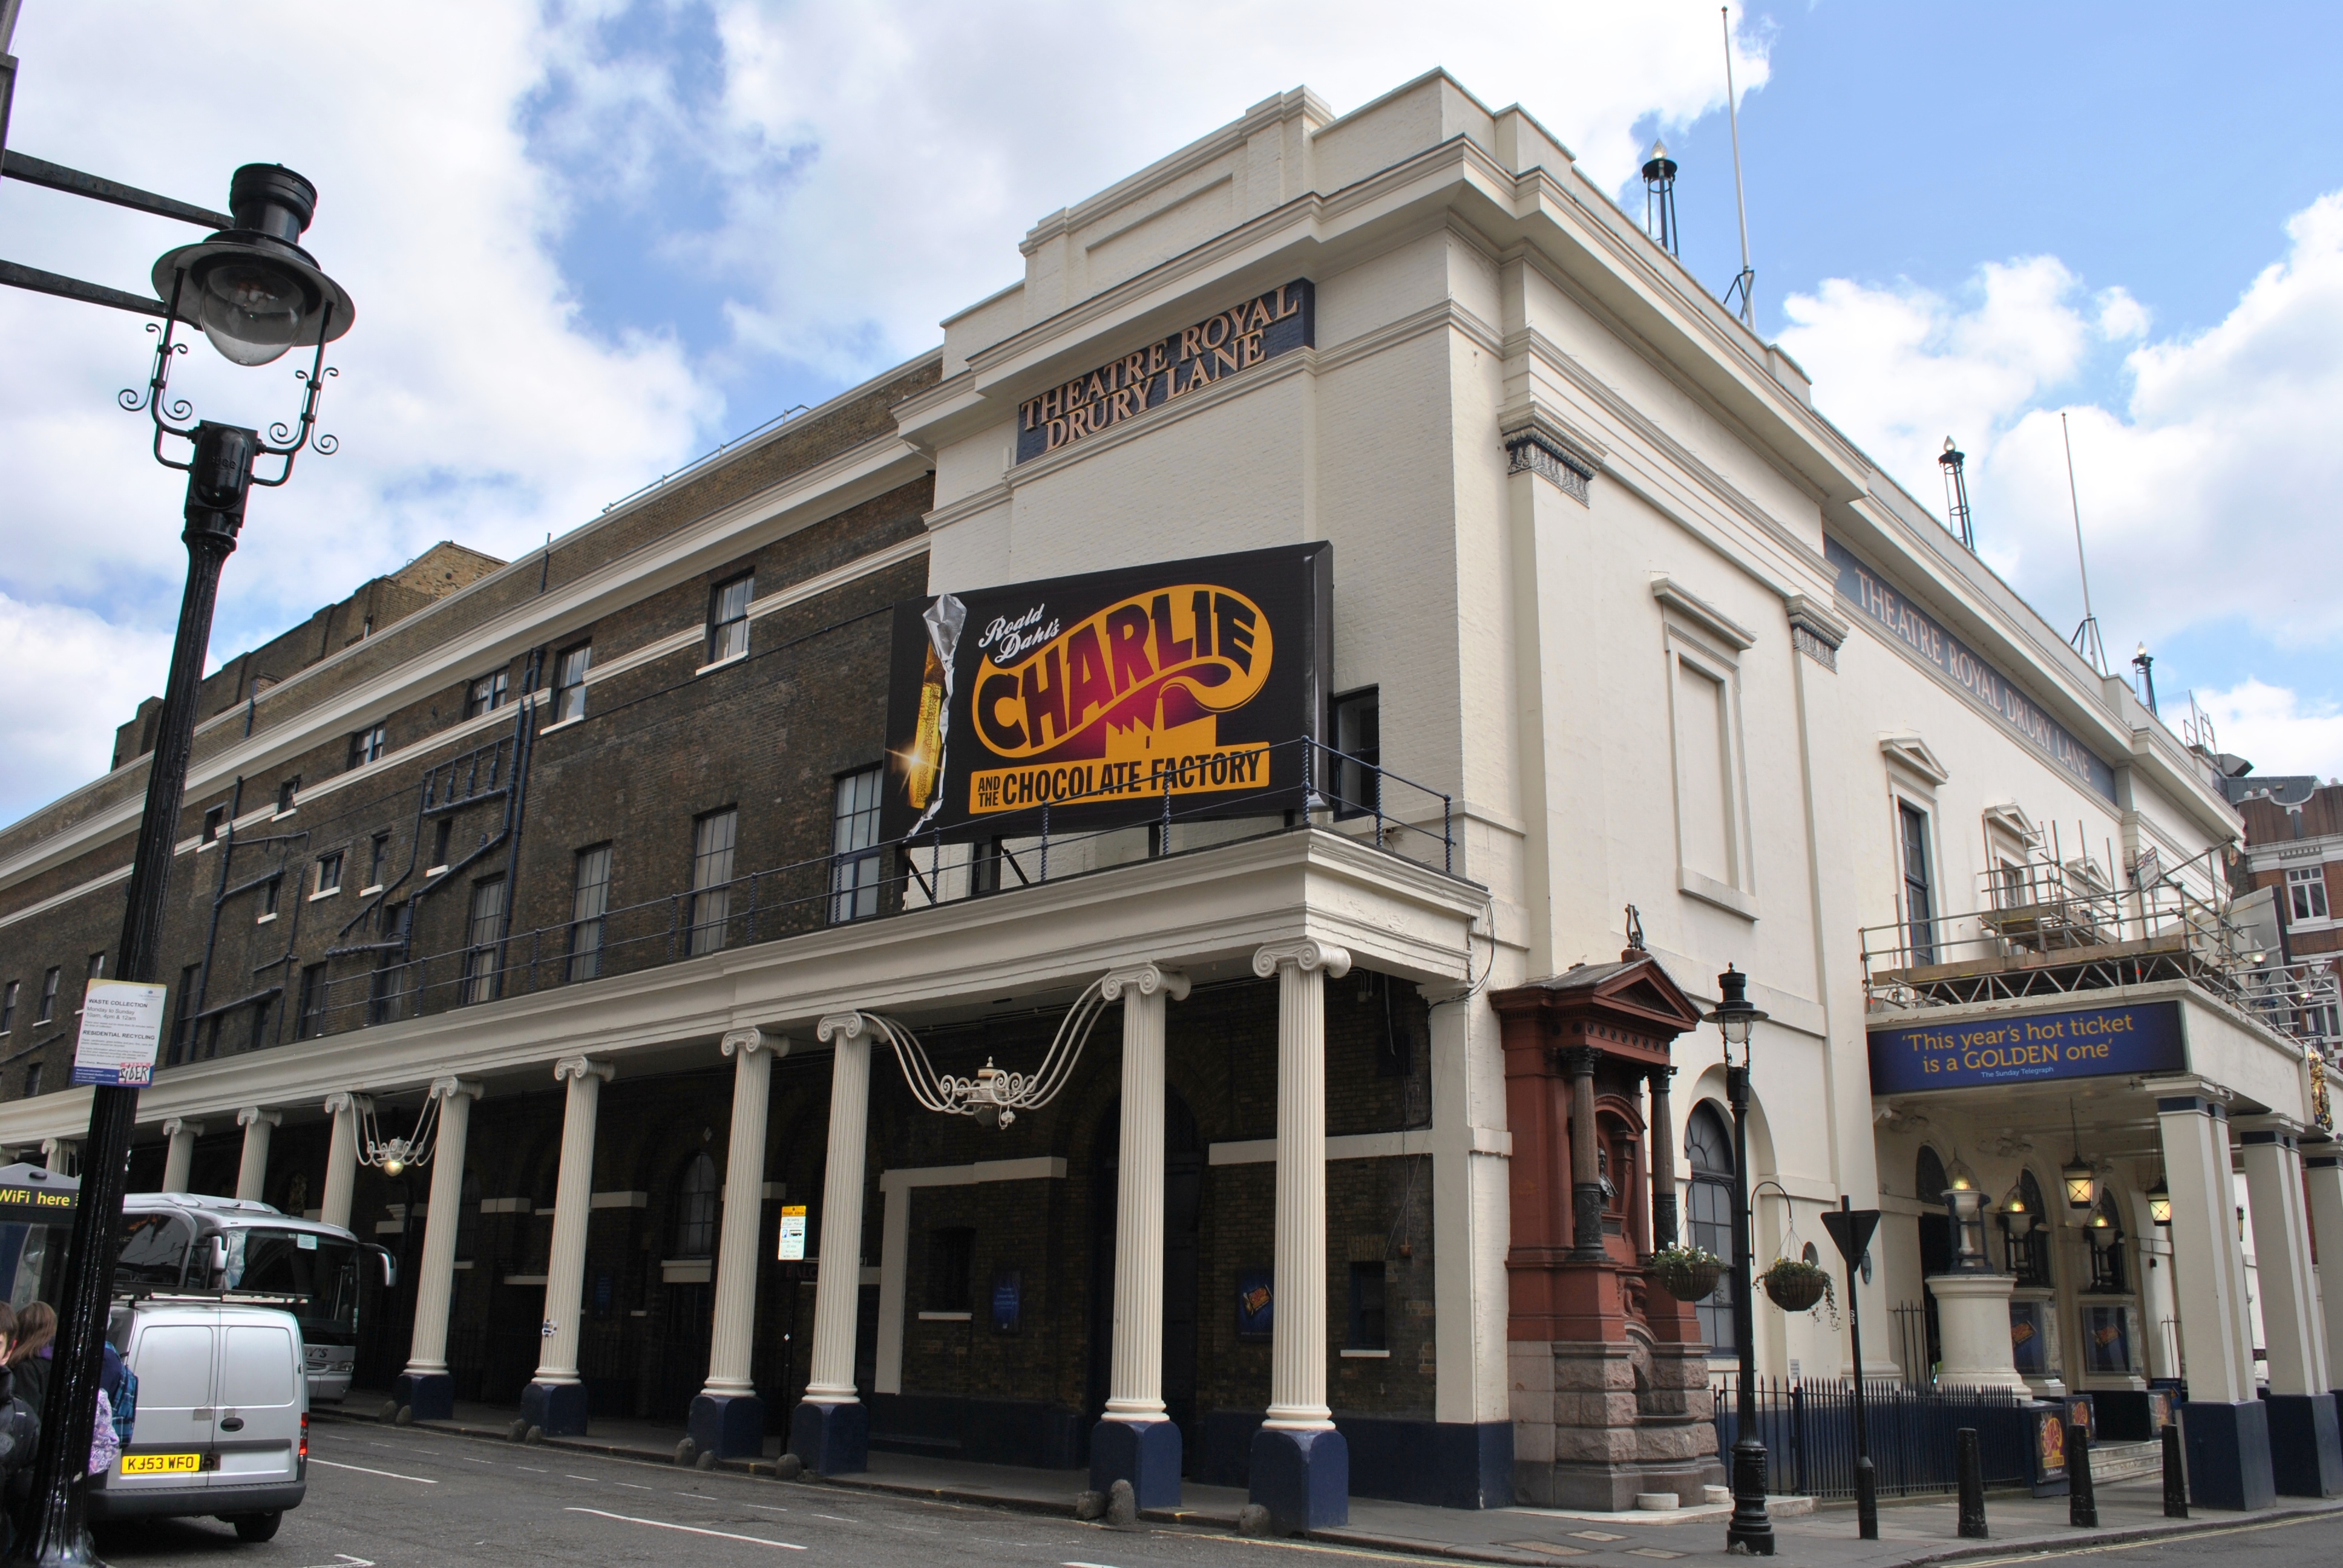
(558, 1407)
(729, 1425)
(2228, 1454)
(831, 1438)
(2305, 1445)
(1146, 1453)
(1302, 1478)
(431, 1395)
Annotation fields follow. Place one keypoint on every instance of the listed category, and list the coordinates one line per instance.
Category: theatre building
(1137, 895)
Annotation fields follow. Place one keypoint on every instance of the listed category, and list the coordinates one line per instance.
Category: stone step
(2125, 1461)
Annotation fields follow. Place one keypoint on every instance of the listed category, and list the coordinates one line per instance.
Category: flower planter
(1795, 1291)
(1688, 1282)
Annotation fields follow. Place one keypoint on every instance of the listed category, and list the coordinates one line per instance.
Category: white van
(222, 1417)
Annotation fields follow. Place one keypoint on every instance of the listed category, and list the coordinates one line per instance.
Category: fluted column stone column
(830, 1430)
(424, 1386)
(342, 1157)
(727, 1419)
(1300, 1465)
(1134, 1442)
(179, 1137)
(555, 1399)
(252, 1172)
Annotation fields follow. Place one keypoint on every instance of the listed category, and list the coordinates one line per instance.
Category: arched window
(694, 1209)
(1708, 1150)
(1928, 1178)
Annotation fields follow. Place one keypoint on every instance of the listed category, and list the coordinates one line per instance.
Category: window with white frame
(712, 839)
(589, 902)
(569, 682)
(329, 872)
(487, 694)
(854, 842)
(367, 745)
(728, 617)
(483, 930)
(2306, 894)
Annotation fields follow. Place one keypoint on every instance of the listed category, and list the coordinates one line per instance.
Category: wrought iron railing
(383, 979)
(1808, 1431)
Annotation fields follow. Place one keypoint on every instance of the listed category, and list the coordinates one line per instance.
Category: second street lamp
(1750, 1532)
(256, 293)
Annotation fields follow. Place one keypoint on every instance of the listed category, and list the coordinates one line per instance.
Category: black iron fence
(1808, 1431)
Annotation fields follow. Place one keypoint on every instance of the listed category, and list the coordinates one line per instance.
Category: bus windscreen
(322, 1269)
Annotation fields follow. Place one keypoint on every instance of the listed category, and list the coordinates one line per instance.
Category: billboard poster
(1099, 694)
(1983, 1052)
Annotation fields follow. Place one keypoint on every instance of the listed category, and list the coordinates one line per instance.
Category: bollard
(2175, 1479)
(1972, 1485)
(2082, 1502)
(1866, 1500)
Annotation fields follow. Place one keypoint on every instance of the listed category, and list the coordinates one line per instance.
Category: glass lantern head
(2159, 1203)
(2017, 1213)
(1735, 1017)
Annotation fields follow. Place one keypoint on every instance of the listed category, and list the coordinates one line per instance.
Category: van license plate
(162, 1463)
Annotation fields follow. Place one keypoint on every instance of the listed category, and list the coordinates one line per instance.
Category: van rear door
(176, 1360)
(260, 1403)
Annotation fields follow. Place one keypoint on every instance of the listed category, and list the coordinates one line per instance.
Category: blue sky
(604, 235)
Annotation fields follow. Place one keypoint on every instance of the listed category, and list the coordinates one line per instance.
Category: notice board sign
(793, 1233)
(1097, 696)
(1983, 1052)
(121, 1030)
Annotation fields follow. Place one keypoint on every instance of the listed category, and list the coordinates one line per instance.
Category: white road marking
(344, 1560)
(470, 1459)
(587, 1478)
(637, 1486)
(329, 1464)
(532, 1470)
(1085, 1565)
(833, 1518)
(690, 1529)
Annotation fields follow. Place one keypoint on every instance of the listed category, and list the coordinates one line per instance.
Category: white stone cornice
(450, 1087)
(751, 1040)
(570, 1067)
(252, 1113)
(1144, 979)
(842, 1026)
(1305, 954)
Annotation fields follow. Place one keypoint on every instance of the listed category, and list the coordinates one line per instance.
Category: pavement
(1912, 1532)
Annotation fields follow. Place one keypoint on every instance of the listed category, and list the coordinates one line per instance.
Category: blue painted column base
(430, 1395)
(727, 1425)
(831, 1438)
(1146, 1453)
(557, 1407)
(2228, 1454)
(1302, 1478)
(2305, 1445)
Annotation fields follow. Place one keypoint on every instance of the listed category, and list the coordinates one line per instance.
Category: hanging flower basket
(1687, 1273)
(1795, 1285)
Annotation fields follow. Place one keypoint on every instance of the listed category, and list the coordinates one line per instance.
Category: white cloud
(2276, 729)
(2207, 497)
(69, 674)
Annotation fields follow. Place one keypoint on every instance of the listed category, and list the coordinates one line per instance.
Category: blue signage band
(2000, 1048)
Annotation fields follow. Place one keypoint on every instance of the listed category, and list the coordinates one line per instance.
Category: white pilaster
(1135, 1388)
(2207, 1263)
(179, 1153)
(573, 1202)
(1298, 1344)
(2295, 1337)
(2323, 1176)
(837, 1279)
(733, 1339)
(434, 1281)
(252, 1175)
(342, 1157)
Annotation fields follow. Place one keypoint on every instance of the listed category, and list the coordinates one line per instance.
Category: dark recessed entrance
(1183, 1193)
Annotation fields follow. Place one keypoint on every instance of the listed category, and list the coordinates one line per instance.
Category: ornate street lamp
(2077, 1177)
(256, 293)
(2159, 1202)
(1750, 1531)
(1964, 1200)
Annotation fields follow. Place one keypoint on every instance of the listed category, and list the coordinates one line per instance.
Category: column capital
(1660, 1076)
(178, 1124)
(1144, 979)
(342, 1100)
(51, 1145)
(448, 1088)
(1578, 1060)
(842, 1026)
(252, 1113)
(1305, 953)
(752, 1039)
(581, 1067)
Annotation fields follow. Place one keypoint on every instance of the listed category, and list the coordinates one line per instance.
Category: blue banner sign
(1887, 609)
(1979, 1053)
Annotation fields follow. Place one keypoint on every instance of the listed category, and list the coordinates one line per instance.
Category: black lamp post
(256, 293)
(1750, 1532)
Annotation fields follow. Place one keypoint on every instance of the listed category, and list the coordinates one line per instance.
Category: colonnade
(1299, 1463)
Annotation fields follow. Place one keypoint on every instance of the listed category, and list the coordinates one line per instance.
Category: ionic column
(342, 1157)
(1663, 1139)
(1134, 1443)
(58, 1154)
(830, 1429)
(179, 1153)
(252, 1175)
(727, 1419)
(2306, 1447)
(424, 1385)
(2226, 1429)
(2323, 1175)
(1300, 1465)
(555, 1398)
(1586, 1162)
